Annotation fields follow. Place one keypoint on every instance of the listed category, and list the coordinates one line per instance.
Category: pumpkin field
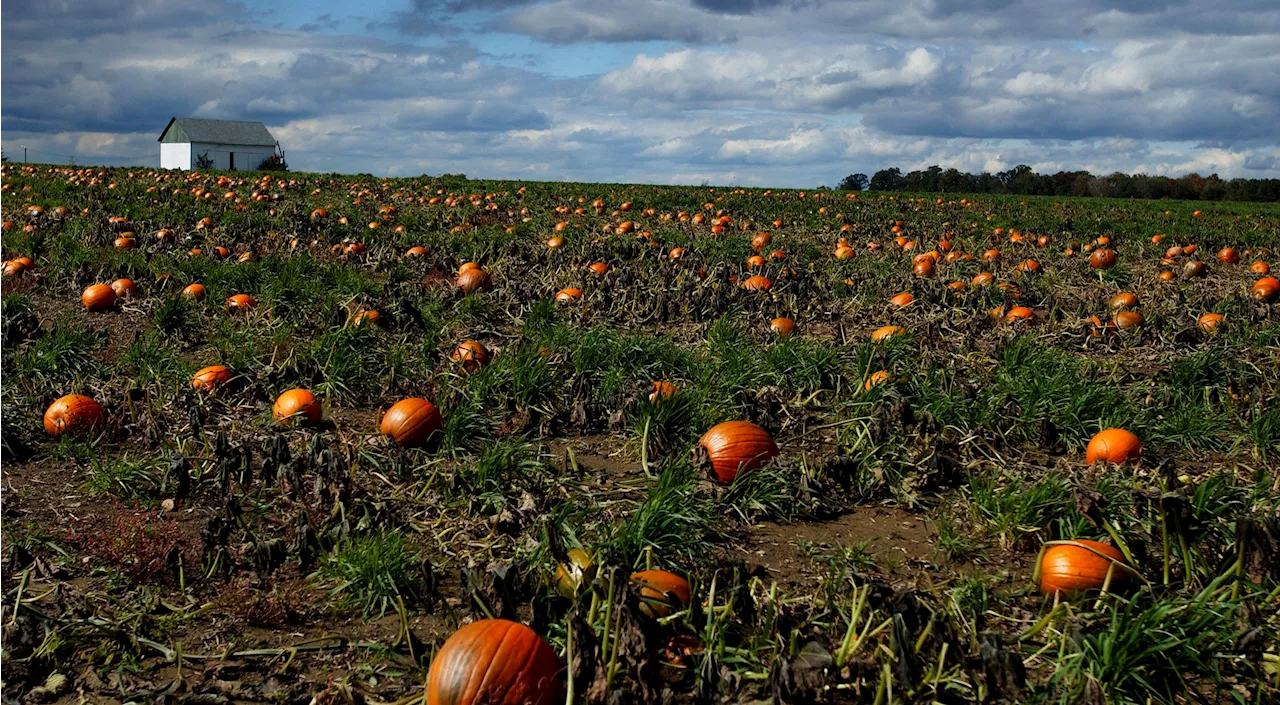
(303, 438)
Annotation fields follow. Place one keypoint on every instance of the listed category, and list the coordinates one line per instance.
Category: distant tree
(204, 161)
(853, 182)
(888, 180)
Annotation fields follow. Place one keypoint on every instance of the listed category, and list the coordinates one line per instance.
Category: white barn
(226, 144)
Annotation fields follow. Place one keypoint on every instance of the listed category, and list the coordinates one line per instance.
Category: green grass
(369, 573)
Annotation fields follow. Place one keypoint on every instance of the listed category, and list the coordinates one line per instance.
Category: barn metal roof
(185, 129)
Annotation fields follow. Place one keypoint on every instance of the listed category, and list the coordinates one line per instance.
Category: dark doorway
(232, 165)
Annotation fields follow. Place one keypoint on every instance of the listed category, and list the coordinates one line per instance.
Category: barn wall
(247, 157)
(175, 156)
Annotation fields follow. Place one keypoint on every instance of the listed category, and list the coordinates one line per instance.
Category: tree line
(1022, 180)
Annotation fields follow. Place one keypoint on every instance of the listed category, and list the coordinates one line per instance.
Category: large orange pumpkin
(411, 422)
(73, 414)
(737, 446)
(211, 378)
(1228, 255)
(494, 662)
(98, 297)
(1078, 566)
(657, 587)
(757, 283)
(298, 403)
(1128, 319)
(1114, 445)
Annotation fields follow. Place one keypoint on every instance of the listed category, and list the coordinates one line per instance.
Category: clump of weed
(371, 572)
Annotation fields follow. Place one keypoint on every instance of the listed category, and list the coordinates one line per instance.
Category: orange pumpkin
(1128, 319)
(761, 241)
(1210, 321)
(1114, 445)
(472, 354)
(578, 569)
(923, 268)
(124, 243)
(1019, 313)
(366, 318)
(657, 590)
(887, 332)
(757, 283)
(1102, 259)
(843, 252)
(1122, 301)
(415, 251)
(755, 262)
(195, 291)
(1073, 567)
(599, 268)
(555, 243)
(782, 327)
(474, 279)
(982, 279)
(875, 378)
(411, 422)
(1266, 290)
(73, 414)
(98, 297)
(241, 302)
(494, 662)
(1193, 269)
(1260, 268)
(13, 266)
(211, 378)
(300, 404)
(568, 295)
(662, 390)
(1228, 255)
(124, 288)
(737, 446)
(677, 252)
(903, 299)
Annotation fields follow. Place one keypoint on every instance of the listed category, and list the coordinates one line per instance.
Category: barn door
(233, 161)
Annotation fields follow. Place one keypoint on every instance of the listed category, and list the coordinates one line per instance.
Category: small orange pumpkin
(472, 354)
(657, 587)
(1228, 255)
(474, 279)
(195, 291)
(782, 327)
(211, 378)
(662, 390)
(1260, 267)
(1102, 259)
(903, 299)
(887, 332)
(757, 283)
(300, 404)
(1209, 322)
(1114, 445)
(1123, 301)
(1127, 319)
(124, 288)
(875, 378)
(411, 422)
(737, 446)
(1266, 290)
(241, 302)
(73, 414)
(599, 268)
(568, 295)
(416, 251)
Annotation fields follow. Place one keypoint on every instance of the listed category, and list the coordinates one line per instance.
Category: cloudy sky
(745, 92)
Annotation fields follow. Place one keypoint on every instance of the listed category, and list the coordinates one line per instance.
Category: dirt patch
(793, 554)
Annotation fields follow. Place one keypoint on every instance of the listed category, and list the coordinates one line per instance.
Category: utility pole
(24, 154)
